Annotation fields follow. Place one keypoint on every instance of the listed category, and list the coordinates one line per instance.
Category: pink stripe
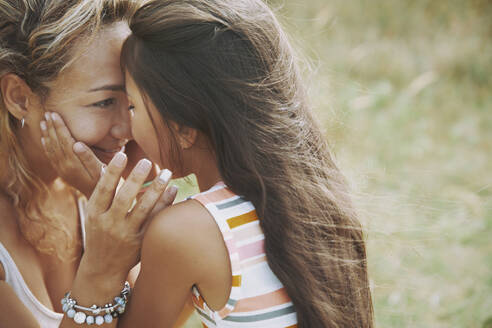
(253, 249)
(248, 232)
(262, 302)
(230, 245)
(214, 196)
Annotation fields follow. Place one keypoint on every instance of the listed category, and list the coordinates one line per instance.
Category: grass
(404, 91)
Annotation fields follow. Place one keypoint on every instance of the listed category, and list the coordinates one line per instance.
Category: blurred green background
(404, 92)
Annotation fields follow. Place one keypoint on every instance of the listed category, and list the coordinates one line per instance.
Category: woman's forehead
(97, 64)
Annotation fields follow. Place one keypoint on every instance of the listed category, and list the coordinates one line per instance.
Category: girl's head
(224, 70)
(59, 56)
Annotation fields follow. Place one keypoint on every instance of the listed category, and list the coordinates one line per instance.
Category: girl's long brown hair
(225, 67)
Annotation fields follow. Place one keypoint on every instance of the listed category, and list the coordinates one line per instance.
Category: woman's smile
(106, 154)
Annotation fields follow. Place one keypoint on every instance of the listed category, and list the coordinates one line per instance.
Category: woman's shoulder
(7, 233)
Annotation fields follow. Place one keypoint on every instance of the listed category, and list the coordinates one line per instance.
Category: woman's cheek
(89, 130)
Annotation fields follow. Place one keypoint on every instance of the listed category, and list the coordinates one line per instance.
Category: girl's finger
(166, 200)
(47, 143)
(44, 136)
(64, 136)
(128, 192)
(103, 194)
(53, 138)
(89, 160)
(151, 198)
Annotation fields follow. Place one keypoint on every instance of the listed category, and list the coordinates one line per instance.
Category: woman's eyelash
(131, 107)
(105, 103)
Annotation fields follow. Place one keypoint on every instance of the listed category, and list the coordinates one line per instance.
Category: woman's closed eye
(104, 103)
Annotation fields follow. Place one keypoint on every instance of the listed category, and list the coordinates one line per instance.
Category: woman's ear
(185, 135)
(15, 94)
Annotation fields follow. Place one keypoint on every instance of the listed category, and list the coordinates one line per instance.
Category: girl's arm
(182, 247)
(74, 162)
(185, 314)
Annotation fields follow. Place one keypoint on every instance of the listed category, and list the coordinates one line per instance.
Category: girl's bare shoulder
(182, 221)
(187, 235)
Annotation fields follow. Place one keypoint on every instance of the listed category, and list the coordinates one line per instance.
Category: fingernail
(165, 176)
(173, 190)
(43, 142)
(43, 125)
(47, 116)
(119, 159)
(143, 166)
(78, 147)
(55, 116)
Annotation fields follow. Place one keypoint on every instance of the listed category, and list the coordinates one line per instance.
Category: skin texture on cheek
(86, 128)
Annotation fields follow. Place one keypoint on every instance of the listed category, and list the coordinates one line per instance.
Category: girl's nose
(121, 126)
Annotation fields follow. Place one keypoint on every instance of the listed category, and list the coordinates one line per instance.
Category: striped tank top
(257, 298)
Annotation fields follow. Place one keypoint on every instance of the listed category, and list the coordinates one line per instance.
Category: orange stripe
(293, 326)
(198, 301)
(262, 302)
(215, 196)
(236, 221)
(236, 281)
(207, 327)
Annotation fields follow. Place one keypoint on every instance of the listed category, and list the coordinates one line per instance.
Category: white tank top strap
(82, 205)
(46, 317)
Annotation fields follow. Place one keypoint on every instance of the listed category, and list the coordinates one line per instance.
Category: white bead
(65, 307)
(89, 320)
(121, 309)
(79, 317)
(108, 318)
(71, 313)
(99, 320)
(119, 300)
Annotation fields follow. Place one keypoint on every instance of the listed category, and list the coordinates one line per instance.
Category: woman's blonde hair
(37, 38)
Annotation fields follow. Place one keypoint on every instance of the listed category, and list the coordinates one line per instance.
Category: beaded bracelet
(97, 314)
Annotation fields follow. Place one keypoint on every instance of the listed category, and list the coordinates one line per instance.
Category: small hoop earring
(22, 122)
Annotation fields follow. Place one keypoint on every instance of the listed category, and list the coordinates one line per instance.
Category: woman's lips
(105, 155)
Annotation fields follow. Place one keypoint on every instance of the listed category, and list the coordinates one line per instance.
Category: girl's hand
(115, 223)
(134, 154)
(73, 161)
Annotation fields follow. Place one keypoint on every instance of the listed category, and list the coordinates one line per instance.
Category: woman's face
(90, 95)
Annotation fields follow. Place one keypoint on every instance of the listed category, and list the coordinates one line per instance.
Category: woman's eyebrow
(109, 87)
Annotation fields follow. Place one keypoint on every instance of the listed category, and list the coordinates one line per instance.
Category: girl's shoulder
(185, 234)
(181, 221)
